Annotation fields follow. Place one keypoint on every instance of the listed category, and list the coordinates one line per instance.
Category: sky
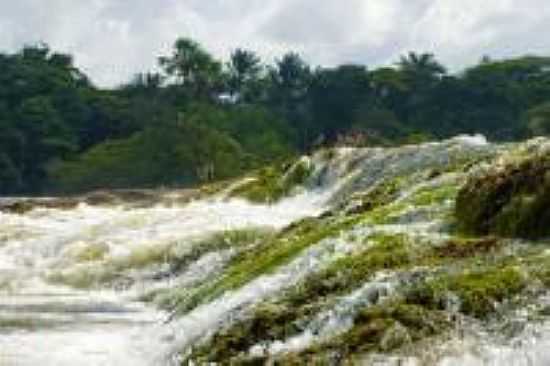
(112, 40)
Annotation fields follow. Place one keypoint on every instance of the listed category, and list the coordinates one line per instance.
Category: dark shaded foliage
(58, 132)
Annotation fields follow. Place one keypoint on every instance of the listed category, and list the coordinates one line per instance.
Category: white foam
(38, 243)
(474, 140)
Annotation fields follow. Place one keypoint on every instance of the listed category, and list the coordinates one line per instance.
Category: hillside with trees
(201, 119)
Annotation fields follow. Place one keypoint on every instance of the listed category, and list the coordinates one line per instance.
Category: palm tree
(421, 67)
(192, 65)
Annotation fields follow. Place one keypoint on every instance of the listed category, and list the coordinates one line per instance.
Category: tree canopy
(201, 118)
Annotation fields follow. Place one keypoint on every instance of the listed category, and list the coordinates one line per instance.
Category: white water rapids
(58, 326)
(45, 323)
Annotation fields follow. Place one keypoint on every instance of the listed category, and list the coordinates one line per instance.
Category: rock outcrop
(510, 196)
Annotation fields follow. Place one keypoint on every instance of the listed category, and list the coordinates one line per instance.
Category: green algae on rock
(380, 195)
(263, 259)
(374, 328)
(463, 248)
(272, 183)
(476, 292)
(285, 317)
(382, 328)
(510, 197)
(377, 268)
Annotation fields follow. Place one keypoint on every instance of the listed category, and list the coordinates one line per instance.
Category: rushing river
(56, 311)
(53, 325)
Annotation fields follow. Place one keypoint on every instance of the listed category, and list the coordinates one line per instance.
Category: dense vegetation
(200, 119)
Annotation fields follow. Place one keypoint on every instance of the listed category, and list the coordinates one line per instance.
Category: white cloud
(462, 32)
(113, 39)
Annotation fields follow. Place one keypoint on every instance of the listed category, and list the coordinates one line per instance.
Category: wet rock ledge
(509, 197)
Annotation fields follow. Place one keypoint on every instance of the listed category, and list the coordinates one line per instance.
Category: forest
(200, 119)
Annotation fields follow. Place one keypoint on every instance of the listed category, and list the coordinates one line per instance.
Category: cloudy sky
(113, 39)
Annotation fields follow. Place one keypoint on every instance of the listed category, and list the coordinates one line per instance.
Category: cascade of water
(334, 321)
(48, 323)
(213, 315)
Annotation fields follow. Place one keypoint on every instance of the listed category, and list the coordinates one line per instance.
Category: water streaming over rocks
(49, 324)
(337, 319)
(73, 279)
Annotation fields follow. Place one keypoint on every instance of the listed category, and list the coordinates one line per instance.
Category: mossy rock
(382, 328)
(464, 248)
(285, 317)
(478, 292)
(511, 199)
(380, 195)
(269, 322)
(263, 259)
(271, 184)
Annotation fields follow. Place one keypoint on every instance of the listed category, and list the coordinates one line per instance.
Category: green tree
(46, 136)
(192, 67)
(539, 120)
(422, 74)
(148, 84)
(421, 68)
(244, 69)
(263, 135)
(497, 94)
(289, 87)
(170, 154)
(10, 177)
(336, 94)
(291, 77)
